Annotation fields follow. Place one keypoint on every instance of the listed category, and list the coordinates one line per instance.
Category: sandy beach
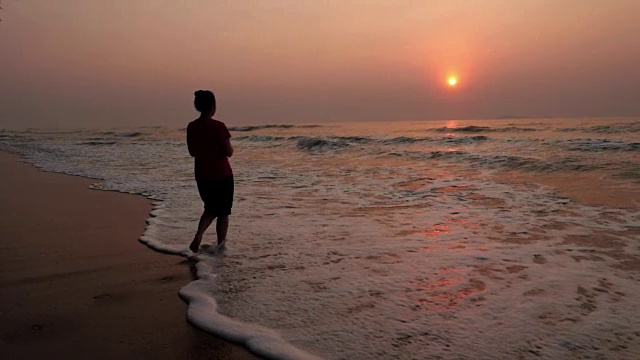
(75, 283)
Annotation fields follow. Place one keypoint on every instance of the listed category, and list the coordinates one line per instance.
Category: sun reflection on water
(446, 290)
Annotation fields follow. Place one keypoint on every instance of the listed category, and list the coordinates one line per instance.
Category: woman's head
(205, 101)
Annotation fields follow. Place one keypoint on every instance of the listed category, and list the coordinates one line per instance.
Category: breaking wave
(259, 138)
(124, 134)
(498, 161)
(310, 143)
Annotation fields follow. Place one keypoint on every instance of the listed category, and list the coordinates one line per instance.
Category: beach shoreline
(76, 283)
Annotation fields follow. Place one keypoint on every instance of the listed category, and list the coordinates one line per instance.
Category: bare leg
(205, 220)
(221, 228)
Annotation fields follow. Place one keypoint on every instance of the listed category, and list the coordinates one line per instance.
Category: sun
(452, 81)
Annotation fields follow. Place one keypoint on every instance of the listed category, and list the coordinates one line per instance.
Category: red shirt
(205, 140)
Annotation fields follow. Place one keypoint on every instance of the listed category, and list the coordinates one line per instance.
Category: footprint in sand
(515, 268)
(587, 300)
(607, 287)
(533, 292)
(539, 259)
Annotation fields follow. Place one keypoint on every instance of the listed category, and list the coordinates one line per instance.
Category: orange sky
(137, 62)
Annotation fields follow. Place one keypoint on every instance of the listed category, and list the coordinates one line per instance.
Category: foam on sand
(202, 312)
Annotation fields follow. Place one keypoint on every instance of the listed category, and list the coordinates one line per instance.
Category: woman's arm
(228, 149)
(190, 142)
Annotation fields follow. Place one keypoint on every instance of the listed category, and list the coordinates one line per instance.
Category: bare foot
(195, 244)
(221, 246)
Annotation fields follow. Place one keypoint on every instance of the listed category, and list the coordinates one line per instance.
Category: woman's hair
(204, 101)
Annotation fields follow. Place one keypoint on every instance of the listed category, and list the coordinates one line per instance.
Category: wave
(4, 135)
(630, 172)
(343, 141)
(310, 143)
(465, 129)
(354, 139)
(125, 134)
(465, 139)
(476, 129)
(97, 142)
(447, 140)
(618, 128)
(270, 126)
(596, 145)
(498, 161)
(38, 131)
(259, 138)
(403, 140)
(510, 162)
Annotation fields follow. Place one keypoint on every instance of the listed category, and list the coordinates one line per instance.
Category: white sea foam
(374, 241)
(203, 313)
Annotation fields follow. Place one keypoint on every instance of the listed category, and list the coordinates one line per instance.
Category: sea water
(393, 240)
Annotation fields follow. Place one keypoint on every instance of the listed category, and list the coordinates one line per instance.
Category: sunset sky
(89, 63)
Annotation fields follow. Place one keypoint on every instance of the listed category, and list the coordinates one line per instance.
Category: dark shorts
(217, 196)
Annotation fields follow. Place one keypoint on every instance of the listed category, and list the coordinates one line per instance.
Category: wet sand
(587, 188)
(75, 283)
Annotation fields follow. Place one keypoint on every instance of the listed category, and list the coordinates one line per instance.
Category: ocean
(460, 239)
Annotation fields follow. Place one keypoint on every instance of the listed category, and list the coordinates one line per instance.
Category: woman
(208, 142)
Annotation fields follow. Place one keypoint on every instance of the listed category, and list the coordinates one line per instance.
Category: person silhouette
(208, 141)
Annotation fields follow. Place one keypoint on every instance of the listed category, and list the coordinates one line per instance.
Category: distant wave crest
(595, 145)
(98, 142)
(344, 141)
(477, 129)
(270, 126)
(260, 138)
(311, 143)
(606, 129)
